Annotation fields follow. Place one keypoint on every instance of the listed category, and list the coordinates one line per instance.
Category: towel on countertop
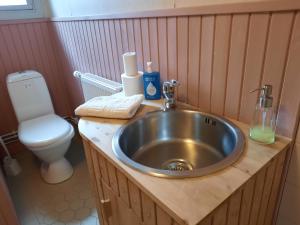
(115, 106)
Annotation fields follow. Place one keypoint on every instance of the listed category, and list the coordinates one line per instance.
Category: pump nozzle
(149, 67)
(265, 98)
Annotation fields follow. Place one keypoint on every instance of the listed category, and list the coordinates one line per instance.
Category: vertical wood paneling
(182, 57)
(93, 168)
(290, 97)
(206, 59)
(69, 66)
(92, 49)
(220, 62)
(258, 32)
(130, 35)
(78, 61)
(119, 48)
(26, 44)
(124, 35)
(104, 48)
(206, 221)
(246, 202)
(172, 47)
(85, 45)
(194, 58)
(266, 193)
(162, 47)
(238, 42)
(220, 215)
(95, 48)
(277, 47)
(138, 43)
(111, 60)
(8, 122)
(112, 175)
(81, 50)
(145, 40)
(153, 43)
(275, 190)
(234, 208)
(18, 45)
(63, 68)
(100, 49)
(70, 48)
(259, 186)
(51, 81)
(11, 50)
(135, 199)
(162, 217)
(114, 46)
(123, 188)
(148, 210)
(103, 169)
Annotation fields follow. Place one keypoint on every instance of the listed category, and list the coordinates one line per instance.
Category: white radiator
(94, 85)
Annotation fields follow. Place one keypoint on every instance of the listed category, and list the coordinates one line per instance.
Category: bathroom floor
(39, 203)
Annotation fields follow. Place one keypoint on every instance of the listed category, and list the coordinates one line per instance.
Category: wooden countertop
(188, 200)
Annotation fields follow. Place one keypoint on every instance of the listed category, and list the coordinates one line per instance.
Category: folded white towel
(115, 106)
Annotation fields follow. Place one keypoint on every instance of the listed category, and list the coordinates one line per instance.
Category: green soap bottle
(263, 125)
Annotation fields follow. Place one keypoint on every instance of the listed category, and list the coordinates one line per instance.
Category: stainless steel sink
(178, 143)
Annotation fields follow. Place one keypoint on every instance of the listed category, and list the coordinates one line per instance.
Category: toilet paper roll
(133, 85)
(130, 64)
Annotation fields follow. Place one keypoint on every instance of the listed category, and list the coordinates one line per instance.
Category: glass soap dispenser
(263, 125)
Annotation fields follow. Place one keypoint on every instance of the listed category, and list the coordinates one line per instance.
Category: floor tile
(67, 203)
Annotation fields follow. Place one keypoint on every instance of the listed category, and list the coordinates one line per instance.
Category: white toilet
(47, 135)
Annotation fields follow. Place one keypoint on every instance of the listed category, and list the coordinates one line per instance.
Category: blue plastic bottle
(151, 83)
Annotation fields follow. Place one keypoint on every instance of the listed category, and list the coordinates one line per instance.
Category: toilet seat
(43, 131)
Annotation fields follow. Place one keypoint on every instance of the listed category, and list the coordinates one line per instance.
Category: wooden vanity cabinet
(121, 202)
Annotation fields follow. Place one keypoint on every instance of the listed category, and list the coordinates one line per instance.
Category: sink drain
(177, 165)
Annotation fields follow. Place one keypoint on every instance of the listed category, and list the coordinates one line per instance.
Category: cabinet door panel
(116, 211)
(109, 207)
(126, 214)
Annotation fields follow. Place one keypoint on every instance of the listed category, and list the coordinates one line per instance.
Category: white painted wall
(59, 8)
(66, 8)
(39, 10)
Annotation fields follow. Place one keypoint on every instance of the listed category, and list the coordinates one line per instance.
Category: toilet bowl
(49, 138)
(43, 132)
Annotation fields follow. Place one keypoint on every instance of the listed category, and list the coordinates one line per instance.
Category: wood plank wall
(218, 59)
(30, 45)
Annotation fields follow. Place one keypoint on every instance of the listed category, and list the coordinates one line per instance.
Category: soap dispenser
(263, 125)
(151, 83)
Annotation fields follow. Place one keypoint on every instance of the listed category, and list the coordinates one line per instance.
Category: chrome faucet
(169, 94)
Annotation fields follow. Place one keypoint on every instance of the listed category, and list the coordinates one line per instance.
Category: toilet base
(57, 171)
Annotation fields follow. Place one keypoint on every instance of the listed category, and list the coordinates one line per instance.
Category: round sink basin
(178, 143)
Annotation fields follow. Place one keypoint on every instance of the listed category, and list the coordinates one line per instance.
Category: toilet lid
(44, 130)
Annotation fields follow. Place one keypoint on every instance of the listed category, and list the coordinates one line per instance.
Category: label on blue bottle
(152, 85)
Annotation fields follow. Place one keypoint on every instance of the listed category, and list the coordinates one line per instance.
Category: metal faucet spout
(169, 94)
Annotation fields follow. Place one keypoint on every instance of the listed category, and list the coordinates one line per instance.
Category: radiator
(94, 85)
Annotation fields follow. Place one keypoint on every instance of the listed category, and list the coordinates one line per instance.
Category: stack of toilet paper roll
(132, 79)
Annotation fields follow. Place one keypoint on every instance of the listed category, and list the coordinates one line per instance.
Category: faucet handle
(169, 85)
(174, 83)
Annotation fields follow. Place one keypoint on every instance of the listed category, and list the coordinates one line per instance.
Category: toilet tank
(29, 95)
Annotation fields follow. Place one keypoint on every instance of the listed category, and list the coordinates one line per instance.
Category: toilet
(43, 132)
